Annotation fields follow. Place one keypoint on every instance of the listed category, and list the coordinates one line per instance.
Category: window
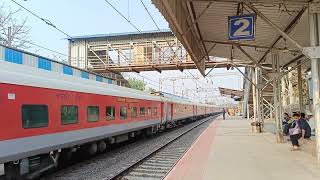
(13, 56)
(155, 111)
(69, 114)
(134, 112)
(99, 78)
(142, 111)
(123, 112)
(44, 64)
(34, 116)
(67, 70)
(149, 112)
(93, 113)
(84, 75)
(110, 112)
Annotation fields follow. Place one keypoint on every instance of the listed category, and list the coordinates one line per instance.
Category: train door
(171, 118)
(168, 111)
(165, 111)
(161, 112)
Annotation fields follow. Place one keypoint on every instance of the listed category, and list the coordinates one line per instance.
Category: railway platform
(228, 150)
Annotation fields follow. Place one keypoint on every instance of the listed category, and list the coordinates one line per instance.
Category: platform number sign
(242, 27)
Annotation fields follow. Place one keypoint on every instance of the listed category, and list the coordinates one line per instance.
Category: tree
(13, 33)
(152, 90)
(137, 84)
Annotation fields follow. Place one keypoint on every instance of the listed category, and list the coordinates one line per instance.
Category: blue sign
(242, 27)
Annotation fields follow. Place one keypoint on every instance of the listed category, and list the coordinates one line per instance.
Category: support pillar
(260, 100)
(277, 96)
(314, 21)
(284, 92)
(247, 88)
(258, 94)
(253, 73)
(292, 99)
(301, 109)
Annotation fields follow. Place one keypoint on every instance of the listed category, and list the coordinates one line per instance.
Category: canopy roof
(202, 27)
(231, 92)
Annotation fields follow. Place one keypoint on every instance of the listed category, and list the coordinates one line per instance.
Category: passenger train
(47, 116)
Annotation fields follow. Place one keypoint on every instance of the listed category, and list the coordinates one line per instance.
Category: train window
(149, 112)
(35, 116)
(69, 114)
(155, 111)
(110, 112)
(123, 112)
(93, 113)
(142, 111)
(134, 112)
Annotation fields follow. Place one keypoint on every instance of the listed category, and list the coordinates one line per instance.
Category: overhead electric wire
(153, 20)
(132, 26)
(145, 7)
(155, 23)
(48, 22)
(123, 16)
(47, 49)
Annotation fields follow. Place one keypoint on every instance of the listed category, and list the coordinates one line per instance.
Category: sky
(88, 17)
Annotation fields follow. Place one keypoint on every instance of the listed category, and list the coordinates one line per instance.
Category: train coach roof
(29, 76)
(24, 75)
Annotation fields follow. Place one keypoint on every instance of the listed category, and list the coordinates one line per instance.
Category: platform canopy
(233, 93)
(202, 27)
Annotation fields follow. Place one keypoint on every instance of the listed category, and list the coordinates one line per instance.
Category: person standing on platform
(295, 132)
(224, 113)
(286, 123)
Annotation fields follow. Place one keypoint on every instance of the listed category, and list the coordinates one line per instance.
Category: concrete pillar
(260, 97)
(314, 21)
(258, 94)
(301, 109)
(254, 98)
(292, 98)
(247, 87)
(283, 89)
(277, 96)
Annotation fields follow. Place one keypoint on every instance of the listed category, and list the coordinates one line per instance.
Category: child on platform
(295, 132)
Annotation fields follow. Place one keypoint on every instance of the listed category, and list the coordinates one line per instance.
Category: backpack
(294, 130)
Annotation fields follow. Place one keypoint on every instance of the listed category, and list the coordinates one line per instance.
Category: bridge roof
(125, 34)
(202, 27)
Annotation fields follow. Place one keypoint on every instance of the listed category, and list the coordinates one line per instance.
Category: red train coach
(45, 115)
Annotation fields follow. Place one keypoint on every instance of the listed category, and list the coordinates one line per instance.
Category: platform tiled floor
(228, 150)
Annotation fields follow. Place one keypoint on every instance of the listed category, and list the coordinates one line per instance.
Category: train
(47, 116)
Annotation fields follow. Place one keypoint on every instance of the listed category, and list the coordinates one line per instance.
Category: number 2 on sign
(244, 24)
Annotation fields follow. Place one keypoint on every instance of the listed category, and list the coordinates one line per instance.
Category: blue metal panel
(13, 56)
(98, 78)
(242, 27)
(67, 70)
(109, 81)
(84, 75)
(44, 64)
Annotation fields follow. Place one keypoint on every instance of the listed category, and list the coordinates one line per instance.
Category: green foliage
(137, 84)
(152, 90)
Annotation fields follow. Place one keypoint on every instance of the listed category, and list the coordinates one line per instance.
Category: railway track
(146, 159)
(159, 163)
